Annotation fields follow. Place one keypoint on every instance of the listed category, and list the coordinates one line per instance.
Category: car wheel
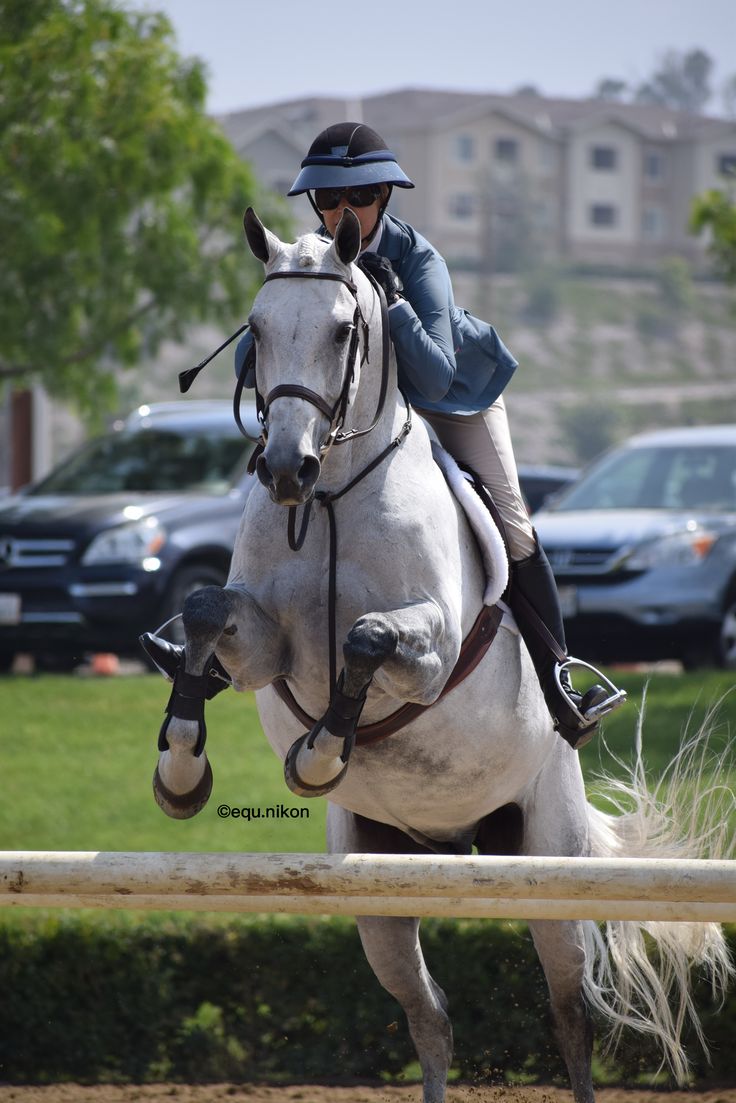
(727, 636)
(185, 582)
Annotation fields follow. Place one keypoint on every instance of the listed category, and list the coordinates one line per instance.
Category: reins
(326, 499)
(336, 435)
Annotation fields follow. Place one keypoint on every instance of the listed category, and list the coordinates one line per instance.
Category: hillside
(601, 358)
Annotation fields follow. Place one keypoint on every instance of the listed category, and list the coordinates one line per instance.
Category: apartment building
(507, 180)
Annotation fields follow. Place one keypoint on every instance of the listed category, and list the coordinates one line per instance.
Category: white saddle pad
(489, 539)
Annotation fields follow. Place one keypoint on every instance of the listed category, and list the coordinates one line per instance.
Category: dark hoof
(295, 783)
(182, 806)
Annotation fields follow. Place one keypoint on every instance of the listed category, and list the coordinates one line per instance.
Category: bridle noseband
(336, 413)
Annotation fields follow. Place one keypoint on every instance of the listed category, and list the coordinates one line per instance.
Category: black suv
(112, 541)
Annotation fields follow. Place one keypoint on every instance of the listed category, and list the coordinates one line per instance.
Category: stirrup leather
(616, 697)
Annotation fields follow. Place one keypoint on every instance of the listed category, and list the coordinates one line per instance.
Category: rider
(452, 368)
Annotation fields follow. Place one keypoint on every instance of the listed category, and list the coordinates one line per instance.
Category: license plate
(9, 608)
(568, 600)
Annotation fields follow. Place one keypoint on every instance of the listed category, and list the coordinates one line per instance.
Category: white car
(644, 549)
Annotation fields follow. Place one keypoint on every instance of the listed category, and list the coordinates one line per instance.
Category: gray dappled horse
(375, 556)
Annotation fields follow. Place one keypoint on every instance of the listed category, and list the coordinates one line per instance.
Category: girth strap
(474, 647)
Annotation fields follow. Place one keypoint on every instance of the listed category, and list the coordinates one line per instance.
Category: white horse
(384, 563)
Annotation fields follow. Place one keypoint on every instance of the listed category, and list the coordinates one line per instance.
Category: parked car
(112, 541)
(539, 483)
(643, 548)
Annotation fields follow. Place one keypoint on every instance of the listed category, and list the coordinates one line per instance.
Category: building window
(462, 205)
(653, 165)
(506, 149)
(603, 214)
(652, 223)
(464, 147)
(603, 157)
(727, 164)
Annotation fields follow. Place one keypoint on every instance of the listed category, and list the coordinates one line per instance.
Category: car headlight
(678, 549)
(127, 543)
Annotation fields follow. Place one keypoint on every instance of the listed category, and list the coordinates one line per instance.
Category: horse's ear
(257, 235)
(347, 237)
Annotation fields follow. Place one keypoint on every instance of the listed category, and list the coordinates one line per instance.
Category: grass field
(77, 756)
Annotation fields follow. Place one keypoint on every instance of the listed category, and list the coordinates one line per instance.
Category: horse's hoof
(295, 783)
(182, 806)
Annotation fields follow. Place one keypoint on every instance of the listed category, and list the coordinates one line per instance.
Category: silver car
(644, 550)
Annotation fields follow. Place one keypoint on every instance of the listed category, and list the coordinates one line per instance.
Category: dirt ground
(305, 1093)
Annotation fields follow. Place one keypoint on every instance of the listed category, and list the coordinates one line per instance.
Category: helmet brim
(348, 176)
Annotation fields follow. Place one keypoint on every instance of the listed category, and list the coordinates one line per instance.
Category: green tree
(120, 200)
(681, 82)
(611, 89)
(715, 211)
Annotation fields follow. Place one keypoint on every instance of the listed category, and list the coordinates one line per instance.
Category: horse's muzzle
(289, 487)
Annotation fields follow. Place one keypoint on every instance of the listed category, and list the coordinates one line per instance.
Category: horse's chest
(366, 569)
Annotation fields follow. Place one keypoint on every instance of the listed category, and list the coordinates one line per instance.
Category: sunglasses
(329, 198)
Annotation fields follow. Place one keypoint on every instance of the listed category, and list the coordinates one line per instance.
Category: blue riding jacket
(447, 360)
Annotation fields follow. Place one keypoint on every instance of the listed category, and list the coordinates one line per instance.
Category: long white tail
(686, 814)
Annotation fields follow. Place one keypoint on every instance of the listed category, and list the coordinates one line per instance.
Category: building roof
(416, 108)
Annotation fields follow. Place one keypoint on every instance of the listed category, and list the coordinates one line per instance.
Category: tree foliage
(682, 81)
(715, 211)
(120, 200)
(611, 89)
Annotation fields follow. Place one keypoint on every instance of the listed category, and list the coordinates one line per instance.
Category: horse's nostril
(263, 471)
(309, 471)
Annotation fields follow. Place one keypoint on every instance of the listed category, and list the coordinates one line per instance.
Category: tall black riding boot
(536, 607)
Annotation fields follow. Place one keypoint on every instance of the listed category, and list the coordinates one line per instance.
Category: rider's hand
(381, 270)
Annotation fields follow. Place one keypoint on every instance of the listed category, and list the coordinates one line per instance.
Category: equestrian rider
(452, 368)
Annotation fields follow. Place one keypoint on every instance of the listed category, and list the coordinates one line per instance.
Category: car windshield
(151, 460)
(658, 477)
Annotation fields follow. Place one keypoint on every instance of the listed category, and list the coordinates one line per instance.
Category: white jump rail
(375, 884)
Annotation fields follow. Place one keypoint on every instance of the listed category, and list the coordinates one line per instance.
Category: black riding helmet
(349, 155)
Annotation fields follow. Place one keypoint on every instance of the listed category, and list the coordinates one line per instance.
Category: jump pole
(672, 889)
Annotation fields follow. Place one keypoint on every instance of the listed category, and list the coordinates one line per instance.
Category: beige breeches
(483, 442)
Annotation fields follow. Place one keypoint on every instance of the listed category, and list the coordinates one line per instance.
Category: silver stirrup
(616, 697)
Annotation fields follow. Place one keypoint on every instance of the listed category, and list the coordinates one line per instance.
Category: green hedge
(193, 998)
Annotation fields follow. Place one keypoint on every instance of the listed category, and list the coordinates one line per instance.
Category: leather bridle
(337, 412)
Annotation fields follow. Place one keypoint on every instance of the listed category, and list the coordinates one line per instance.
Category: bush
(676, 285)
(91, 999)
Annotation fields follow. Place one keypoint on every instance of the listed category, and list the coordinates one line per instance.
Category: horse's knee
(371, 641)
(205, 615)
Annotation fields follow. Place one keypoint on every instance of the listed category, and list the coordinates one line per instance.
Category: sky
(263, 51)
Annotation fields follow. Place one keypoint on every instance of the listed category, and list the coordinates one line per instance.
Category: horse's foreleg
(561, 950)
(182, 782)
(409, 649)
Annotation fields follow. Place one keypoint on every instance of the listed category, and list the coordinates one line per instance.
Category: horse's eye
(343, 333)
(255, 331)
